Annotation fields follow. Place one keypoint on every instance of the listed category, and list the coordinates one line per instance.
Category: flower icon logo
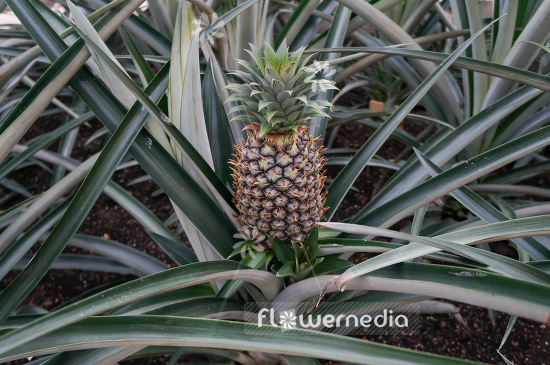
(245, 248)
(317, 66)
(328, 71)
(287, 319)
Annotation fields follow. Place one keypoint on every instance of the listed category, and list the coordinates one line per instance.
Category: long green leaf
(335, 38)
(29, 238)
(68, 140)
(148, 286)
(177, 251)
(144, 31)
(223, 20)
(197, 307)
(16, 209)
(109, 72)
(164, 299)
(522, 54)
(519, 174)
(294, 25)
(494, 262)
(160, 330)
(146, 74)
(531, 226)
(490, 68)
(475, 287)
(217, 126)
(330, 246)
(47, 200)
(186, 112)
(479, 51)
(81, 262)
(140, 262)
(32, 104)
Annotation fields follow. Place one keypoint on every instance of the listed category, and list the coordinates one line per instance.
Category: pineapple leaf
(238, 108)
(239, 248)
(288, 269)
(311, 243)
(264, 128)
(282, 250)
(244, 118)
(270, 114)
(331, 264)
(263, 104)
(256, 55)
(282, 52)
(298, 253)
(280, 83)
(236, 97)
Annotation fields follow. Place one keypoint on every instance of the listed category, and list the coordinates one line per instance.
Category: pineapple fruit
(278, 171)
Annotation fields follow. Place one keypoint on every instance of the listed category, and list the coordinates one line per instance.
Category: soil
(469, 334)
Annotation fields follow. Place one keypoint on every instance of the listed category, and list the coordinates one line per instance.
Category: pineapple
(278, 171)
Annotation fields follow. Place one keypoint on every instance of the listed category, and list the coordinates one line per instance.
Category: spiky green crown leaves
(277, 91)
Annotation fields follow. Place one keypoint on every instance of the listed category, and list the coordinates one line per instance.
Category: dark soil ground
(470, 334)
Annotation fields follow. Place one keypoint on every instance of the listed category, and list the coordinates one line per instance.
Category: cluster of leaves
(156, 78)
(278, 92)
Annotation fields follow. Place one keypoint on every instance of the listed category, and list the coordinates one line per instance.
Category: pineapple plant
(278, 171)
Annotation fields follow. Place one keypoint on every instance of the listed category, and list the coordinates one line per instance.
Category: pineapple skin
(278, 182)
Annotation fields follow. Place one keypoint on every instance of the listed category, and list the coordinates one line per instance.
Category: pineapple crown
(277, 91)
